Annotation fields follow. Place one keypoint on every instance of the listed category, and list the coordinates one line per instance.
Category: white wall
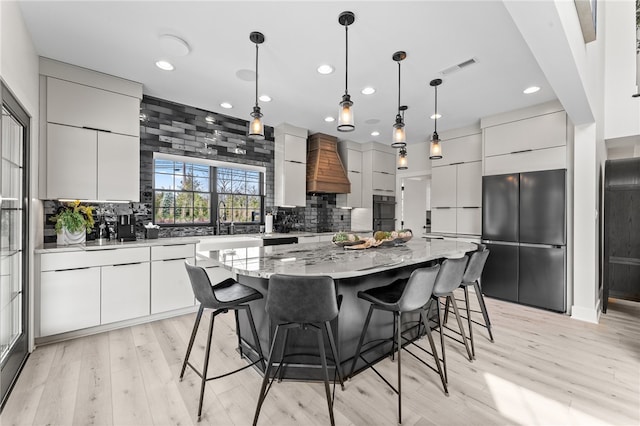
(19, 72)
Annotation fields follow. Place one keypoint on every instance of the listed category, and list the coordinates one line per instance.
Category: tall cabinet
(290, 166)
(351, 157)
(90, 134)
(378, 172)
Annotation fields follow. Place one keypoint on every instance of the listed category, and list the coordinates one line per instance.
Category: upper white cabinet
(443, 186)
(383, 162)
(351, 157)
(460, 149)
(290, 166)
(469, 184)
(90, 134)
(79, 105)
(378, 172)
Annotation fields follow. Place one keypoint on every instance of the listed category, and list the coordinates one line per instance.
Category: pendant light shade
(346, 122)
(435, 151)
(256, 127)
(399, 134)
(403, 161)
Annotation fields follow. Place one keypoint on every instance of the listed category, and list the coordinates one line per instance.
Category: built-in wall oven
(384, 213)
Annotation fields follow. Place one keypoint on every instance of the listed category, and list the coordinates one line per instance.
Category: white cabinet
(460, 150)
(124, 291)
(87, 164)
(170, 284)
(354, 198)
(443, 219)
(80, 105)
(443, 186)
(69, 300)
(90, 134)
(383, 184)
(352, 161)
(527, 161)
(469, 184)
(469, 220)
(384, 162)
(290, 166)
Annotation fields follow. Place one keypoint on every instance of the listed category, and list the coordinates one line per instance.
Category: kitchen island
(353, 271)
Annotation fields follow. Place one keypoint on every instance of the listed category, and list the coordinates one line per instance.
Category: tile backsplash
(172, 128)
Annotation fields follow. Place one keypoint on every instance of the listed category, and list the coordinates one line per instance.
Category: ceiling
(124, 39)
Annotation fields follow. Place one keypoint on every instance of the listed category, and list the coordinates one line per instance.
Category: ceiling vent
(325, 172)
(459, 66)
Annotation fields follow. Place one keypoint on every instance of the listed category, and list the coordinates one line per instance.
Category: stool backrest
(201, 286)
(419, 288)
(475, 266)
(450, 275)
(301, 299)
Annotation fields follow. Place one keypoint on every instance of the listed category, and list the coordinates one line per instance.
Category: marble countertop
(327, 259)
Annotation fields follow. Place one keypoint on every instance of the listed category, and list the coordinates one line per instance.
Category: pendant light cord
(435, 124)
(399, 87)
(346, 60)
(256, 74)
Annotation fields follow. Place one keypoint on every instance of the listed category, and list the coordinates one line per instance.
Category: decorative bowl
(345, 239)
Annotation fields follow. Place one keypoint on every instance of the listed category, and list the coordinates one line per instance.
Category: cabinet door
(443, 220)
(295, 184)
(125, 292)
(84, 106)
(118, 167)
(443, 186)
(69, 300)
(383, 183)
(384, 162)
(354, 199)
(71, 162)
(460, 150)
(538, 159)
(354, 161)
(469, 220)
(170, 285)
(295, 149)
(469, 184)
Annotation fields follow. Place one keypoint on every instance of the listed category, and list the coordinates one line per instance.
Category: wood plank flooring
(543, 368)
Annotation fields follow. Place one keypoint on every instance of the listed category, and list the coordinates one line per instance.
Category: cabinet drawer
(97, 257)
(84, 106)
(177, 251)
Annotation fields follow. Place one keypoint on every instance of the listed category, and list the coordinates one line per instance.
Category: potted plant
(73, 221)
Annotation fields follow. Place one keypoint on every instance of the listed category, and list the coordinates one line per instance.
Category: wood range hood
(325, 171)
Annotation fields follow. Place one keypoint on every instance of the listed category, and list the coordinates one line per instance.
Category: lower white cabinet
(125, 292)
(170, 285)
(444, 220)
(469, 221)
(69, 300)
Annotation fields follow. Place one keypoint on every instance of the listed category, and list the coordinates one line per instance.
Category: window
(184, 193)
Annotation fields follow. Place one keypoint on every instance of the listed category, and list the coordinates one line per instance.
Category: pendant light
(435, 152)
(345, 115)
(399, 134)
(256, 128)
(403, 162)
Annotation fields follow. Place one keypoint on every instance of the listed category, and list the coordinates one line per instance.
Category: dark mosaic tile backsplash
(172, 128)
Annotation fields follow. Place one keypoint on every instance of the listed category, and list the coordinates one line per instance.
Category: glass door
(14, 129)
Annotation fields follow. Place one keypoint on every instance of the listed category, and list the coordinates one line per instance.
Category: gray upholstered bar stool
(471, 277)
(220, 298)
(402, 296)
(449, 279)
(304, 302)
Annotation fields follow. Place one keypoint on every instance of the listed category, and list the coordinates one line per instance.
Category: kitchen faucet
(224, 206)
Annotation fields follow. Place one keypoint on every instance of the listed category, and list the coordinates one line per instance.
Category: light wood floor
(543, 369)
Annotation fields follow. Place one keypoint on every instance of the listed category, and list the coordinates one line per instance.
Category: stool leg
(393, 340)
(444, 353)
(398, 318)
(434, 351)
(235, 313)
(364, 331)
(267, 375)
(327, 389)
(334, 353)
(446, 310)
(191, 340)
(483, 308)
(206, 365)
(466, 300)
(256, 339)
(464, 337)
(282, 353)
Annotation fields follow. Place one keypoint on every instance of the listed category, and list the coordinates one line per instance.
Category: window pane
(201, 200)
(201, 215)
(201, 184)
(238, 182)
(254, 202)
(184, 183)
(163, 216)
(184, 215)
(178, 168)
(224, 181)
(240, 215)
(184, 199)
(253, 187)
(164, 199)
(201, 170)
(163, 181)
(164, 166)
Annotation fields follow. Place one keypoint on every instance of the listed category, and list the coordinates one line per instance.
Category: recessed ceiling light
(325, 69)
(265, 98)
(226, 105)
(210, 119)
(434, 116)
(164, 65)
(375, 133)
(329, 119)
(530, 90)
(368, 91)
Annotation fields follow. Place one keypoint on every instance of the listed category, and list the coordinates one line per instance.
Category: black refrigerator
(524, 226)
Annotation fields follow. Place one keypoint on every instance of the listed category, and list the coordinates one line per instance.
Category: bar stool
(402, 296)
(449, 279)
(304, 302)
(220, 298)
(472, 278)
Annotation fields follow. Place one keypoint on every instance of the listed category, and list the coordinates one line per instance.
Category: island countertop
(326, 258)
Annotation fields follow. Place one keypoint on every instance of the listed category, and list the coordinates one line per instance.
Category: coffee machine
(126, 227)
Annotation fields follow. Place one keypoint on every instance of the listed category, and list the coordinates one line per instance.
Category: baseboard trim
(581, 313)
